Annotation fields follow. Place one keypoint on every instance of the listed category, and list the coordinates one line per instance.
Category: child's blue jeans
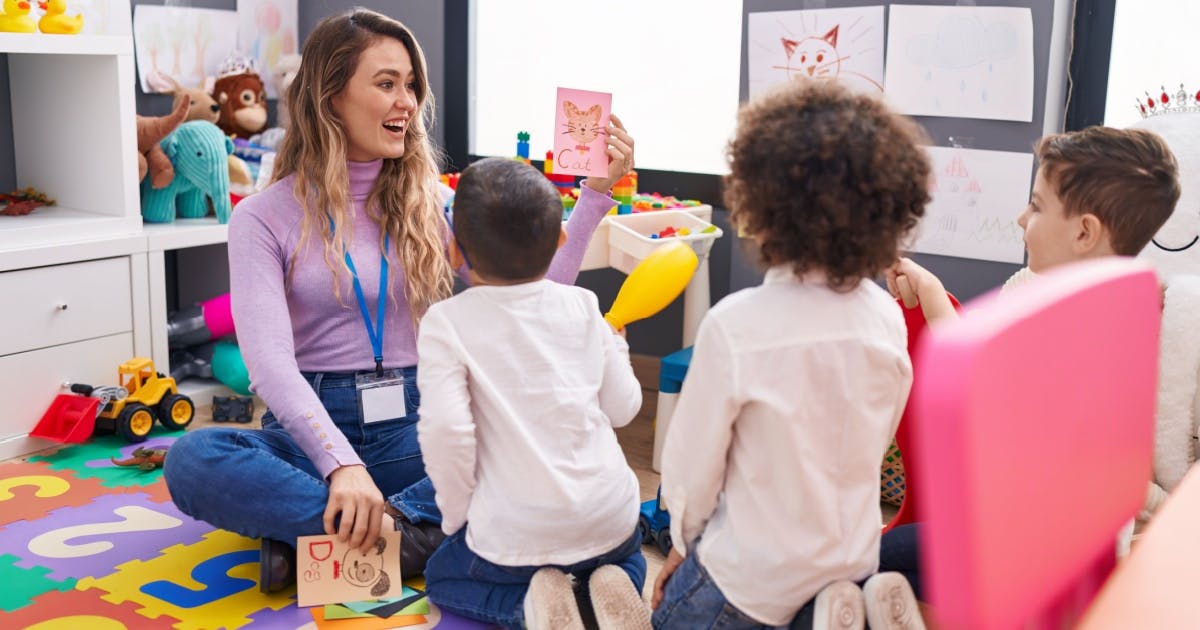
(460, 581)
(692, 600)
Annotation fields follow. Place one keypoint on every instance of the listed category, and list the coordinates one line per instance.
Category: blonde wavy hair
(406, 193)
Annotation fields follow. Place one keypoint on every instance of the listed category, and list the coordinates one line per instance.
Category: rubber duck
(56, 21)
(15, 18)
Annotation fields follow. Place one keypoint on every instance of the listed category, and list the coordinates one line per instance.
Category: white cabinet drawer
(30, 380)
(48, 306)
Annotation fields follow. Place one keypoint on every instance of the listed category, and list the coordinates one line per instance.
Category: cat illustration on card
(814, 57)
(582, 126)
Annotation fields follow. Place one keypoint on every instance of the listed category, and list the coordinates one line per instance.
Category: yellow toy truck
(129, 409)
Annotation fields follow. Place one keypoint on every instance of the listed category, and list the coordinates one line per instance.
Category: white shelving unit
(83, 280)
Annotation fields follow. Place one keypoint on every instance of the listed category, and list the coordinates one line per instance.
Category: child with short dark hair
(796, 387)
(522, 384)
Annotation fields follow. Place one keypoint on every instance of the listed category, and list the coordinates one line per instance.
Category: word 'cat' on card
(580, 118)
(329, 571)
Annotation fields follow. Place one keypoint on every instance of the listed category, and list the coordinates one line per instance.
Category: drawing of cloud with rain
(963, 42)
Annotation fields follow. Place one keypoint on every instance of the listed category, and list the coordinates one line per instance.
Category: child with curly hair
(771, 465)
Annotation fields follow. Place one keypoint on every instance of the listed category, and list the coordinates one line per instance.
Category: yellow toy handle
(653, 284)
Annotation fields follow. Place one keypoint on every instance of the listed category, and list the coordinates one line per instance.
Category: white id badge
(381, 397)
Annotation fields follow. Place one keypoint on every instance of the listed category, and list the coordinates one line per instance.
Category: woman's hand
(352, 493)
(669, 565)
(620, 157)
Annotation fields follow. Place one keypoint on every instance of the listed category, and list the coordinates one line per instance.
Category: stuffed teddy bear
(199, 151)
(240, 94)
(150, 131)
(1175, 253)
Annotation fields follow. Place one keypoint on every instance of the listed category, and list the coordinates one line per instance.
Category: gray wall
(8, 165)
(966, 278)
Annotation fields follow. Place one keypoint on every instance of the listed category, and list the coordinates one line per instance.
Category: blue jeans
(461, 582)
(691, 599)
(898, 551)
(261, 484)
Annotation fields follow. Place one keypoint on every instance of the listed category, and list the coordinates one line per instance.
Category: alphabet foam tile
(22, 585)
(92, 539)
(31, 490)
(208, 584)
(291, 616)
(80, 609)
(92, 459)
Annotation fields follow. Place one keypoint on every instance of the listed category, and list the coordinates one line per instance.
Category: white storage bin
(629, 235)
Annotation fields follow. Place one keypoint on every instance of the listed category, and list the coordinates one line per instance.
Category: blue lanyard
(375, 334)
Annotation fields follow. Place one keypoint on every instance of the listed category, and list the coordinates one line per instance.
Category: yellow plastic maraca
(653, 284)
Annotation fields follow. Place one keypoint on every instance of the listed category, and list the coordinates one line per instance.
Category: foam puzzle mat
(88, 544)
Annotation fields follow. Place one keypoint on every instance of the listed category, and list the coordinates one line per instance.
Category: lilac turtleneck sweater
(282, 332)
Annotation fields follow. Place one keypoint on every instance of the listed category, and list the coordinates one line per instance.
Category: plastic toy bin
(629, 235)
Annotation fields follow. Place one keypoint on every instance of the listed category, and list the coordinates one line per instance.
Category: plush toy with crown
(1175, 252)
(241, 96)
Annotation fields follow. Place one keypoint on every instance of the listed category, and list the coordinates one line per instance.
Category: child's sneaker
(839, 606)
(891, 604)
(617, 604)
(550, 602)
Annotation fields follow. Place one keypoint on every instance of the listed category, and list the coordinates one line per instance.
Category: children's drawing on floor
(267, 32)
(966, 62)
(845, 45)
(977, 196)
(180, 43)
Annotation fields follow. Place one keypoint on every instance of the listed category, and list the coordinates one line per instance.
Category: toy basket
(891, 479)
(629, 235)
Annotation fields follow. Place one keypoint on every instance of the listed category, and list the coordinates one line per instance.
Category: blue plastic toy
(199, 151)
(655, 524)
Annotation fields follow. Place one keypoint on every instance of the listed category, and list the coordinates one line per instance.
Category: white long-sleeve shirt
(521, 387)
(792, 397)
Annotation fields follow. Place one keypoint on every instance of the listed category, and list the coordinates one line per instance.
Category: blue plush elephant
(199, 151)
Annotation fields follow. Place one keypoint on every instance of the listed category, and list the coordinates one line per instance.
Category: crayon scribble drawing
(966, 62)
(845, 45)
(976, 197)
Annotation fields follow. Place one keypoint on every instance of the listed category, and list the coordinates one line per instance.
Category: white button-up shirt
(521, 387)
(773, 454)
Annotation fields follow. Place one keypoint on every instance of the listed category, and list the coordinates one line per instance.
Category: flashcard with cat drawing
(580, 118)
(329, 571)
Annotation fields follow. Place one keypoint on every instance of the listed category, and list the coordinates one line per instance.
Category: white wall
(671, 65)
(1153, 47)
